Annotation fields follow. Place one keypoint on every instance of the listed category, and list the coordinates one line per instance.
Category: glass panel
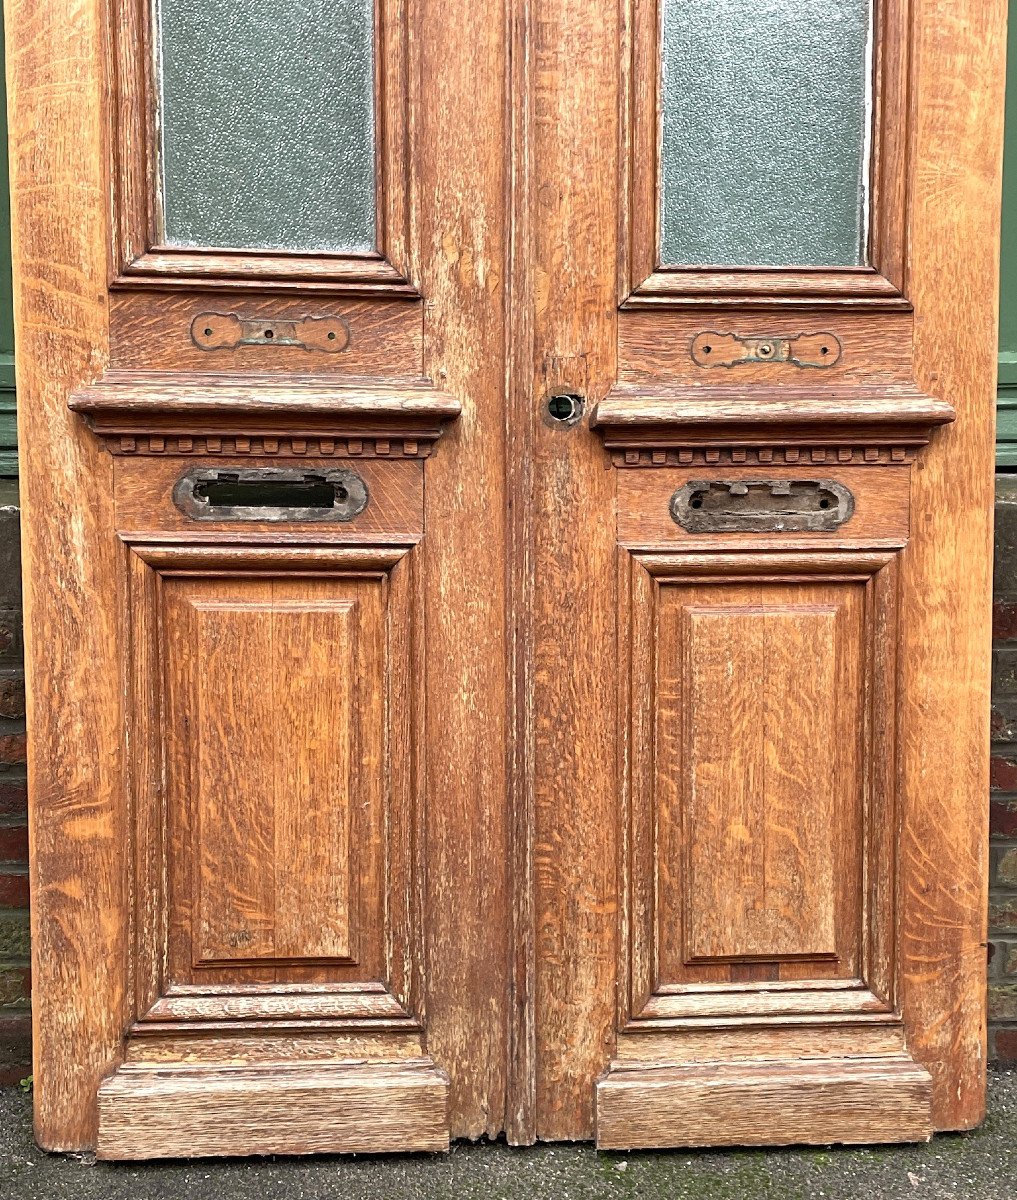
(267, 124)
(765, 132)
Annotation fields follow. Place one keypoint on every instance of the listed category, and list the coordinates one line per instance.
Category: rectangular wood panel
(764, 796)
(267, 682)
(759, 719)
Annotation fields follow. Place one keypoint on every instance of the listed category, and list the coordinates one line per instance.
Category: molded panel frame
(645, 281)
(645, 1000)
(348, 997)
(139, 256)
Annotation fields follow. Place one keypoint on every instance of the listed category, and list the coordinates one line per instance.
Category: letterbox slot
(270, 494)
(762, 505)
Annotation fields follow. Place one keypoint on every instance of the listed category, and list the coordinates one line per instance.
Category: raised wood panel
(770, 767)
(760, 783)
(275, 692)
(151, 330)
(264, 694)
(758, 771)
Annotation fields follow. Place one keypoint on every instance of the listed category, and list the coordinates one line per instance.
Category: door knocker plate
(713, 349)
(227, 331)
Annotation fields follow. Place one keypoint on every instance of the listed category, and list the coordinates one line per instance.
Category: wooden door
(506, 495)
(757, 643)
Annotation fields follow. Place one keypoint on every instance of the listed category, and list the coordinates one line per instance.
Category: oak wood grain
(880, 516)
(952, 264)
(461, 210)
(72, 612)
(151, 1110)
(801, 1101)
(145, 510)
(151, 330)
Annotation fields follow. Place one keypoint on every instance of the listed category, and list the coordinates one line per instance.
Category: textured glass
(267, 123)
(765, 132)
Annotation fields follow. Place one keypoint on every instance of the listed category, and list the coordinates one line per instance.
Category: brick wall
(14, 953)
(1003, 782)
(15, 1017)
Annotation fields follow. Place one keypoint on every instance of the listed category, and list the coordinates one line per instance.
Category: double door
(507, 499)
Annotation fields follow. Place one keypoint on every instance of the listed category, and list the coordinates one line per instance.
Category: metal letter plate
(762, 506)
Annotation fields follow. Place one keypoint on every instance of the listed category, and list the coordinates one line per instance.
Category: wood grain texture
(145, 509)
(573, 99)
(772, 778)
(159, 1111)
(880, 516)
(276, 794)
(952, 273)
(812, 1102)
(79, 840)
(462, 214)
(657, 344)
(151, 330)
(276, 765)
(704, 726)
(487, 694)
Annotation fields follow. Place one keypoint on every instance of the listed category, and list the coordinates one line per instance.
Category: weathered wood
(764, 1104)
(463, 218)
(77, 808)
(511, 769)
(952, 265)
(149, 1110)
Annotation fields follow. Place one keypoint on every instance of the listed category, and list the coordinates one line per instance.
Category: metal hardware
(564, 408)
(227, 331)
(714, 349)
(270, 494)
(761, 505)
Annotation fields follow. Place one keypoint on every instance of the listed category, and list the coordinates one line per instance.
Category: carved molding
(646, 426)
(156, 413)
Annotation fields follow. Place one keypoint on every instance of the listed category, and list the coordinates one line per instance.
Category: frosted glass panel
(765, 132)
(267, 123)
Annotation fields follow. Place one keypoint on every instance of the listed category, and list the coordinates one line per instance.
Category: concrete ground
(976, 1166)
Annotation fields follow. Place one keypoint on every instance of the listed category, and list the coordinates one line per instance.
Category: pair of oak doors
(507, 497)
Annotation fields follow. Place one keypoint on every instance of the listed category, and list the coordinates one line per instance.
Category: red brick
(1004, 619)
(14, 797)
(1003, 912)
(14, 843)
(14, 888)
(1002, 1002)
(12, 697)
(12, 748)
(1006, 1045)
(1003, 818)
(1002, 774)
(15, 984)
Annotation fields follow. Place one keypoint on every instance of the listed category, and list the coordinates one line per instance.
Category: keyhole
(565, 408)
